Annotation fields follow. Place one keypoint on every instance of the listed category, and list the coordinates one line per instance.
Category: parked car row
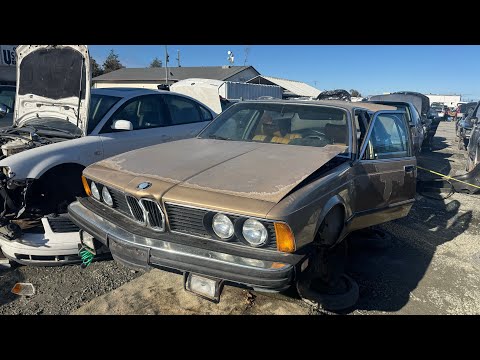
(260, 196)
(464, 124)
(473, 143)
(413, 104)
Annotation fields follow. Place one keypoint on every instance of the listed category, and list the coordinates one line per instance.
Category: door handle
(409, 169)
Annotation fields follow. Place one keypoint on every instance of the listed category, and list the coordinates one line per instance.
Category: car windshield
(289, 124)
(99, 106)
(7, 97)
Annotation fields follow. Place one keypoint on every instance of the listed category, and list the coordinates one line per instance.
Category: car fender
(333, 201)
(33, 163)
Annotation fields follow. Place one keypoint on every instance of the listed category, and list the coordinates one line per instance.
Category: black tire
(333, 300)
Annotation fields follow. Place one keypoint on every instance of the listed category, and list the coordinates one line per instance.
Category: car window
(477, 111)
(362, 118)
(99, 106)
(206, 115)
(7, 97)
(183, 110)
(388, 139)
(415, 116)
(144, 112)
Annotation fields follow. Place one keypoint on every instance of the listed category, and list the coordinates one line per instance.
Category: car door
(152, 123)
(417, 124)
(385, 172)
(149, 117)
(187, 116)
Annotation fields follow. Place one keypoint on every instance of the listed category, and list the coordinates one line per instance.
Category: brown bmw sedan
(251, 198)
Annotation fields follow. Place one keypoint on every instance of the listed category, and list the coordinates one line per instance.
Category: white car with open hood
(60, 126)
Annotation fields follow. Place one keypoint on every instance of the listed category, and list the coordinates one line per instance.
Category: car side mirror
(123, 125)
(3, 110)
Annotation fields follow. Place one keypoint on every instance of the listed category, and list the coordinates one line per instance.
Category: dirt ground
(428, 265)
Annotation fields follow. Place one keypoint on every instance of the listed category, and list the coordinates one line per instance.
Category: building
(8, 65)
(291, 88)
(449, 100)
(150, 78)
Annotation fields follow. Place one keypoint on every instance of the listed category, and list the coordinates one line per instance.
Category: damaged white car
(59, 127)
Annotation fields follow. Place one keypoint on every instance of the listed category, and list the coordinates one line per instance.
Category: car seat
(338, 134)
(282, 134)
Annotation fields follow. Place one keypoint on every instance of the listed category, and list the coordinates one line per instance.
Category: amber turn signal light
(86, 187)
(285, 238)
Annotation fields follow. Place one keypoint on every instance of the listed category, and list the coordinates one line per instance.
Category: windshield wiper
(217, 137)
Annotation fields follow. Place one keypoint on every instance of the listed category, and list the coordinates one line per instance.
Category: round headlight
(95, 192)
(254, 232)
(222, 226)
(107, 198)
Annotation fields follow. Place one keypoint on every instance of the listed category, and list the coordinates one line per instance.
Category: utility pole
(178, 58)
(166, 65)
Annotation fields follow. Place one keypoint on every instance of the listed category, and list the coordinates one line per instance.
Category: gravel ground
(60, 290)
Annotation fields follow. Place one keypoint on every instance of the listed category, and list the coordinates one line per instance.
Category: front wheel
(342, 296)
(325, 285)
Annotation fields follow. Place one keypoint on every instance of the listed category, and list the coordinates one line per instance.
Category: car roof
(347, 105)
(125, 92)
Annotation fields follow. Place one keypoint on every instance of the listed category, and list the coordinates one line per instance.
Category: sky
(370, 69)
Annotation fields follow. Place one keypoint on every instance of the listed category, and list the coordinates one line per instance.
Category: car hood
(53, 81)
(245, 170)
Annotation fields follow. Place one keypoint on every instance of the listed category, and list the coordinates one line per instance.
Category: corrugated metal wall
(234, 90)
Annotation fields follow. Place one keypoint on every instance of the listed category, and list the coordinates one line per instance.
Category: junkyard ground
(429, 266)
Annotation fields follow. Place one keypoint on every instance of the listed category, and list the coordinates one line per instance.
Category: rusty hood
(245, 170)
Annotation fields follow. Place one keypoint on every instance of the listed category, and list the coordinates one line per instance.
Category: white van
(218, 94)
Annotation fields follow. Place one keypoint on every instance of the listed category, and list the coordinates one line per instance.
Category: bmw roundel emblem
(144, 185)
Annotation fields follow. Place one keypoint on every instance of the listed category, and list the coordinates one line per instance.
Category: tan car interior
(284, 130)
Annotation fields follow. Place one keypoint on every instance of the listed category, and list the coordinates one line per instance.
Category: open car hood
(420, 101)
(53, 81)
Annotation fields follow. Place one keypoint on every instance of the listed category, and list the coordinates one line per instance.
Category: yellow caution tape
(448, 177)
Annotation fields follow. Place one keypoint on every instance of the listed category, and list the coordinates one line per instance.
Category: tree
(112, 63)
(355, 93)
(96, 69)
(156, 63)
